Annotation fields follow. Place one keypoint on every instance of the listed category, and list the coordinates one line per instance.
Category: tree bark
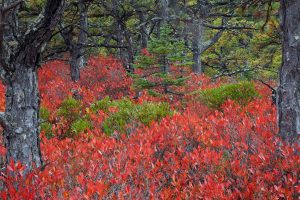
(197, 45)
(22, 109)
(83, 36)
(21, 118)
(143, 30)
(76, 62)
(289, 89)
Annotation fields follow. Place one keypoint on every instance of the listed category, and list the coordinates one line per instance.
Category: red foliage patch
(233, 154)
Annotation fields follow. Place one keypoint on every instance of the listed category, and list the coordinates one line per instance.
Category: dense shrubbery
(124, 113)
(241, 93)
(197, 153)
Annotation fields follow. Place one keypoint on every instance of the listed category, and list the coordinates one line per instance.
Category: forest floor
(99, 142)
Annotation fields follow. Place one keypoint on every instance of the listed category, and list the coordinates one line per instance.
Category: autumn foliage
(195, 153)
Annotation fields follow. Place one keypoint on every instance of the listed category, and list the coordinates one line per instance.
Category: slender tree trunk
(164, 15)
(164, 11)
(76, 61)
(22, 113)
(143, 30)
(82, 38)
(289, 88)
(197, 45)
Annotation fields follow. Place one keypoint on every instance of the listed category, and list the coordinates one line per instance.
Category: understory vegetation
(100, 142)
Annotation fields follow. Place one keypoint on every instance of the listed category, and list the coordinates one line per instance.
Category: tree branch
(212, 41)
(228, 27)
(41, 31)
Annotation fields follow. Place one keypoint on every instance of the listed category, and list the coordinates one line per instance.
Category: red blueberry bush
(197, 153)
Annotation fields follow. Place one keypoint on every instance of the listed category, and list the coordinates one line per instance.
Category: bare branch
(212, 41)
(228, 27)
(232, 73)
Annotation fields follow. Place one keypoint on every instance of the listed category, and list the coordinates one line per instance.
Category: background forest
(143, 99)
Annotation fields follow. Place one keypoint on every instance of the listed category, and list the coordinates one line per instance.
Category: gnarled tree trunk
(21, 118)
(289, 88)
(22, 114)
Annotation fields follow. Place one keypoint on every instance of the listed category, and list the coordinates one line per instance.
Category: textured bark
(21, 130)
(22, 108)
(197, 45)
(143, 30)
(83, 36)
(164, 10)
(76, 62)
(76, 46)
(289, 88)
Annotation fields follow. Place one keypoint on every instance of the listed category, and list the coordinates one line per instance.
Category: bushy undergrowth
(122, 113)
(241, 93)
(192, 154)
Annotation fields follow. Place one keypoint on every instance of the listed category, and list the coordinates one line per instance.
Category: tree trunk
(22, 112)
(21, 118)
(197, 45)
(143, 30)
(289, 88)
(76, 61)
(82, 38)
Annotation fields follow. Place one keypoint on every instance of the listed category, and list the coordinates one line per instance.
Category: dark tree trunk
(76, 46)
(76, 61)
(289, 88)
(21, 118)
(22, 109)
(82, 38)
(143, 30)
(197, 45)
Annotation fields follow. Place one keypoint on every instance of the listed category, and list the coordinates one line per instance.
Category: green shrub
(45, 125)
(70, 109)
(129, 113)
(103, 104)
(241, 93)
(44, 113)
(148, 112)
(80, 126)
(47, 128)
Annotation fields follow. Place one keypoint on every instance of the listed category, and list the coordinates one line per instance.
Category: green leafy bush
(127, 113)
(241, 93)
(45, 125)
(148, 112)
(47, 128)
(44, 113)
(70, 109)
(76, 121)
(80, 126)
(102, 104)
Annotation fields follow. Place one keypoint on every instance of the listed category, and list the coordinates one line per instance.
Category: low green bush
(44, 113)
(102, 104)
(47, 128)
(77, 122)
(70, 109)
(80, 126)
(45, 124)
(127, 113)
(241, 93)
